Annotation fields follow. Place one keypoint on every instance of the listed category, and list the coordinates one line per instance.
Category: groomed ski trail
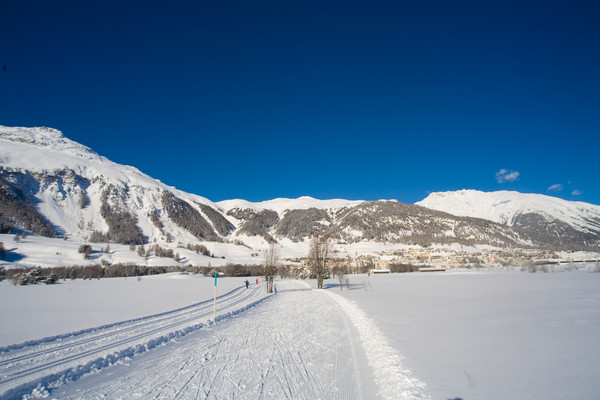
(52, 361)
(299, 344)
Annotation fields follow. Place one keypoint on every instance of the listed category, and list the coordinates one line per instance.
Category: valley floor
(299, 343)
(270, 352)
(468, 335)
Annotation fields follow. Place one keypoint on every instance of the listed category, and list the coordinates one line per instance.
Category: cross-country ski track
(299, 343)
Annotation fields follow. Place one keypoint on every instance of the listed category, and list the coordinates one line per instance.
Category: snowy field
(468, 335)
(492, 335)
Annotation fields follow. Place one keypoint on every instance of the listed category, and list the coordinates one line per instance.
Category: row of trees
(120, 270)
(33, 276)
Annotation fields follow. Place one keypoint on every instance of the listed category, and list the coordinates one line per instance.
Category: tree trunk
(320, 282)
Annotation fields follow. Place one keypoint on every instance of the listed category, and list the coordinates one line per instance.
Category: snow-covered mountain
(558, 221)
(52, 186)
(55, 187)
(384, 221)
(295, 219)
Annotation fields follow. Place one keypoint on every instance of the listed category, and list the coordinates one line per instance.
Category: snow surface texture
(301, 343)
(469, 335)
(394, 379)
(52, 361)
(269, 352)
(491, 335)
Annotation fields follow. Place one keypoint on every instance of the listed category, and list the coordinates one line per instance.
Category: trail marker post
(215, 302)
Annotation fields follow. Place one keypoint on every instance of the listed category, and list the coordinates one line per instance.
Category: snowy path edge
(394, 380)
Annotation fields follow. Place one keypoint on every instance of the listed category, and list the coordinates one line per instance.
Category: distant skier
(257, 281)
(247, 284)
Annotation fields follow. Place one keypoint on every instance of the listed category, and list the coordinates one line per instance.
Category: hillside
(557, 222)
(53, 187)
(79, 194)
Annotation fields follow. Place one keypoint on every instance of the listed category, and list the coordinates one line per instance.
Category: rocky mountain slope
(54, 187)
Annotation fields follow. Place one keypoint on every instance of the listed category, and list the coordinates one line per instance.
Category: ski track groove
(109, 333)
(78, 348)
(298, 344)
(107, 328)
(281, 356)
(181, 370)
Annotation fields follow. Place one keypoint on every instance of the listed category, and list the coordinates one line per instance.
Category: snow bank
(395, 381)
(490, 335)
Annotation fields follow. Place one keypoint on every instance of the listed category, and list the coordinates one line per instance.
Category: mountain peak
(44, 137)
(528, 210)
(39, 135)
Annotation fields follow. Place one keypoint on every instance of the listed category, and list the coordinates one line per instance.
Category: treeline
(256, 223)
(401, 268)
(298, 224)
(18, 211)
(122, 225)
(221, 224)
(199, 249)
(187, 217)
(52, 275)
(241, 270)
(31, 276)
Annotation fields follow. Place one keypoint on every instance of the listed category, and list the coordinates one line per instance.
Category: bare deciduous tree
(318, 257)
(340, 272)
(270, 267)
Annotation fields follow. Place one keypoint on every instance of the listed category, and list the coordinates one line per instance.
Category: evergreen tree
(51, 279)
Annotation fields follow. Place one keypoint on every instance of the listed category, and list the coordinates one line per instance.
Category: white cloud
(555, 188)
(505, 175)
(577, 192)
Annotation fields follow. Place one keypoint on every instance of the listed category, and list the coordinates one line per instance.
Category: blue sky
(356, 100)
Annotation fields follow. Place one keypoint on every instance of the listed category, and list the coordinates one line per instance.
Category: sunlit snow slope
(555, 222)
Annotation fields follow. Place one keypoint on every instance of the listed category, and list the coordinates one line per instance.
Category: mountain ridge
(534, 213)
(50, 183)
